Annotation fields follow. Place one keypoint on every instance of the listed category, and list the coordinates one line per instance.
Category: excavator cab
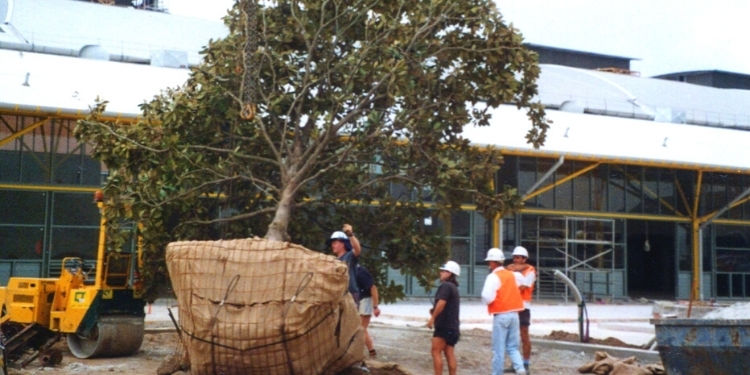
(101, 315)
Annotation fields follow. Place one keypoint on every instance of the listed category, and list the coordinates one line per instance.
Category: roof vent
(169, 59)
(572, 106)
(94, 52)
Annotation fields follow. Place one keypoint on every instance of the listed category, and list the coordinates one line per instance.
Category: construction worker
(444, 317)
(526, 287)
(503, 299)
(346, 247)
(368, 305)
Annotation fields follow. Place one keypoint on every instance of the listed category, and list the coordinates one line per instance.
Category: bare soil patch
(572, 337)
(400, 351)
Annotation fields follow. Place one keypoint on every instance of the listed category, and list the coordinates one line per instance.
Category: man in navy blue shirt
(346, 247)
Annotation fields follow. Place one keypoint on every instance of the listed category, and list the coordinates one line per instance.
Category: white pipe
(571, 285)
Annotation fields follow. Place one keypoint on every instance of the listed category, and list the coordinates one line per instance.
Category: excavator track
(114, 336)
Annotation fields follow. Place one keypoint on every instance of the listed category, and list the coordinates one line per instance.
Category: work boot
(509, 370)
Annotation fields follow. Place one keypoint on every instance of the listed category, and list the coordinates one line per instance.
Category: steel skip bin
(704, 346)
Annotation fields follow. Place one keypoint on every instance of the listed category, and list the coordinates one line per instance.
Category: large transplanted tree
(311, 113)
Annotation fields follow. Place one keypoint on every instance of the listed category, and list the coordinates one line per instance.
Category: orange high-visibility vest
(526, 293)
(507, 297)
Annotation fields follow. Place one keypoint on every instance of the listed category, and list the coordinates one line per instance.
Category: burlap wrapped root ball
(254, 306)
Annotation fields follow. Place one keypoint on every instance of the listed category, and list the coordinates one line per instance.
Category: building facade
(641, 189)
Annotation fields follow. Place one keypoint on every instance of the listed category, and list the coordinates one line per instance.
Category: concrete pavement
(627, 322)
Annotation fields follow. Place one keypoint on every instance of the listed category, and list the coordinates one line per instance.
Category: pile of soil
(572, 337)
(374, 367)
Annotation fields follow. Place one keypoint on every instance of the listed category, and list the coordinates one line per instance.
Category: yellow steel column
(496, 231)
(102, 245)
(696, 246)
(696, 243)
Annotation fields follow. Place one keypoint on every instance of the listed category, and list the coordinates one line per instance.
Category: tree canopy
(312, 113)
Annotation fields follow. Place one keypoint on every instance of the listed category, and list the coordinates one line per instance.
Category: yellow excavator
(100, 317)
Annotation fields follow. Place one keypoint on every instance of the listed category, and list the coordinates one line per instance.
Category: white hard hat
(520, 250)
(494, 254)
(340, 236)
(451, 267)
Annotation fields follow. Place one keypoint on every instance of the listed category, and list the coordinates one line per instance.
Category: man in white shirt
(503, 299)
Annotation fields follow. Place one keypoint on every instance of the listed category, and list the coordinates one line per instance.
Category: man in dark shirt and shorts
(368, 304)
(444, 317)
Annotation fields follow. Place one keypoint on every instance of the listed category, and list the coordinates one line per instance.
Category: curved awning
(49, 85)
(619, 140)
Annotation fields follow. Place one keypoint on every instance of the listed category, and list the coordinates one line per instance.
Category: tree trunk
(277, 230)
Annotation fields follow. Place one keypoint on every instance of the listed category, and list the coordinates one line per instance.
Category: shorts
(365, 306)
(525, 317)
(449, 335)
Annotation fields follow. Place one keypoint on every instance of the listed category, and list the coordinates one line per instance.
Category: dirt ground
(400, 351)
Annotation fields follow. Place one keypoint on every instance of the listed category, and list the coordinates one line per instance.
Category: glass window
(546, 199)
(76, 169)
(706, 249)
(75, 209)
(22, 207)
(684, 252)
(399, 191)
(616, 189)
(460, 224)
(651, 203)
(508, 173)
(564, 191)
(722, 285)
(733, 260)
(482, 237)
(25, 242)
(527, 177)
(734, 189)
(599, 192)
(634, 189)
(582, 195)
(35, 167)
(667, 194)
(460, 250)
(9, 166)
(509, 232)
(74, 242)
(732, 236)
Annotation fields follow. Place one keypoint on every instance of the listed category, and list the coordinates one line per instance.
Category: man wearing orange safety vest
(503, 299)
(526, 286)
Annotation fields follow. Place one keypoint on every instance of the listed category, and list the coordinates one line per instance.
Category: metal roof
(65, 27)
(589, 91)
(67, 85)
(619, 140)
(40, 83)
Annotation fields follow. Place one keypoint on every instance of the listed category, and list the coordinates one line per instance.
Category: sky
(661, 36)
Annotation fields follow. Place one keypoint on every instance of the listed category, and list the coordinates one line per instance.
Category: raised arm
(356, 248)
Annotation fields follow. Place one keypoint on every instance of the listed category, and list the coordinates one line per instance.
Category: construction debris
(605, 364)
(254, 306)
